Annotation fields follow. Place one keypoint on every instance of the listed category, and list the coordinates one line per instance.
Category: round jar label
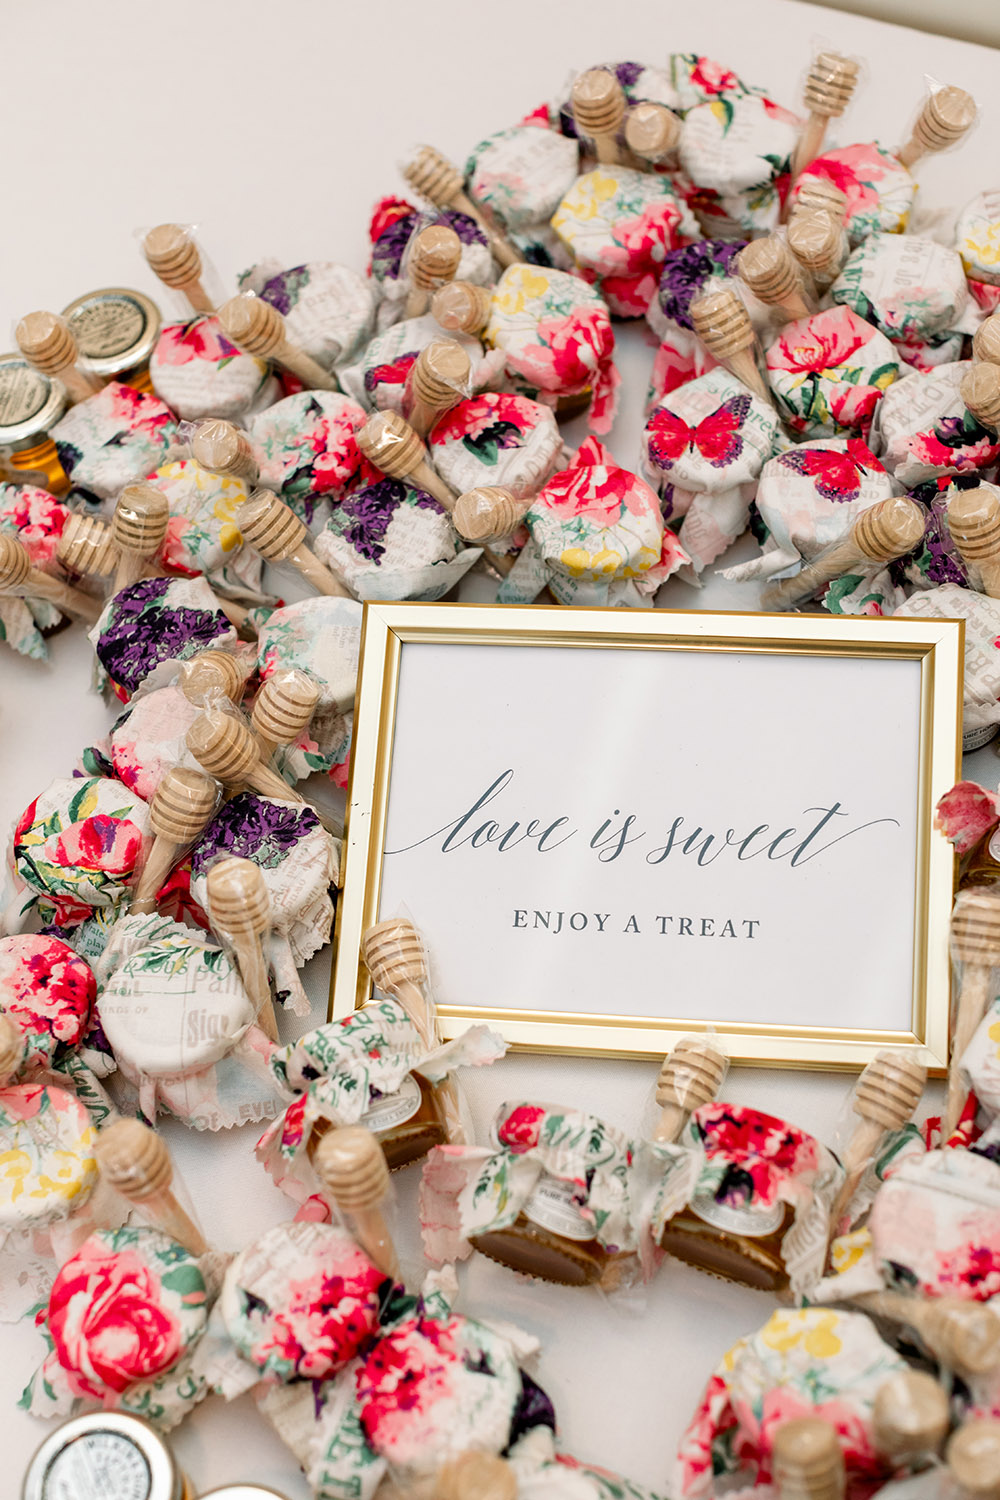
(551, 1206)
(23, 392)
(98, 1466)
(395, 1109)
(107, 326)
(975, 739)
(753, 1222)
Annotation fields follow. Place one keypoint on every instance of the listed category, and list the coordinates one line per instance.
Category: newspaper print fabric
(202, 534)
(829, 372)
(391, 251)
(803, 1363)
(199, 373)
(935, 1227)
(469, 1190)
(924, 428)
(522, 174)
(879, 189)
(148, 740)
(299, 861)
(390, 540)
(48, 993)
(735, 149)
(982, 654)
(618, 224)
(328, 309)
(908, 287)
(556, 338)
(496, 439)
(79, 846)
(113, 437)
(181, 1025)
(306, 450)
(596, 536)
(977, 238)
(810, 497)
(337, 1073)
(321, 636)
(149, 626)
(124, 1316)
(376, 379)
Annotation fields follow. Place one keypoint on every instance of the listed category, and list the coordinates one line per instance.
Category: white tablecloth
(274, 130)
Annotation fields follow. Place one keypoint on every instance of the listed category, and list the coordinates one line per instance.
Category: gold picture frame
(937, 645)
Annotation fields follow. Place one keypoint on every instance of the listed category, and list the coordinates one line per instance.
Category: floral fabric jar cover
(829, 372)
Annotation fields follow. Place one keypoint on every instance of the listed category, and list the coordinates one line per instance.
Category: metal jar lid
(30, 403)
(243, 1492)
(115, 329)
(103, 1456)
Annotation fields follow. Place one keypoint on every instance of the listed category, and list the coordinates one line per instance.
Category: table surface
(278, 144)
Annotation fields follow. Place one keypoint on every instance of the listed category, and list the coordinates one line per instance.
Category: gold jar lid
(30, 403)
(115, 329)
(104, 1456)
(243, 1492)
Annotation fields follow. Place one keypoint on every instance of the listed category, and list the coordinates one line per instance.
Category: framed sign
(612, 826)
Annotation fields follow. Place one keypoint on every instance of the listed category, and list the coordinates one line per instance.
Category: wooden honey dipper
(975, 938)
(652, 132)
(462, 307)
(723, 324)
(819, 195)
(440, 377)
(223, 746)
(974, 523)
(488, 513)
(475, 1475)
(599, 106)
(11, 1049)
(173, 257)
(980, 390)
(210, 675)
(771, 272)
(273, 529)
(807, 1460)
(438, 180)
(963, 1336)
(223, 449)
(691, 1076)
(393, 953)
(283, 708)
(20, 578)
(973, 1457)
(886, 1096)
(435, 253)
(257, 328)
(86, 547)
(136, 1162)
(182, 804)
(886, 530)
(947, 115)
(986, 340)
(819, 245)
(47, 342)
(829, 86)
(138, 530)
(390, 443)
(239, 909)
(350, 1164)
(910, 1417)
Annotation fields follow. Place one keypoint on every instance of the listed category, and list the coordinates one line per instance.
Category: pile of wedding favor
(823, 377)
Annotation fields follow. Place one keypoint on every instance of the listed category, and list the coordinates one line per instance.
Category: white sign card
(720, 837)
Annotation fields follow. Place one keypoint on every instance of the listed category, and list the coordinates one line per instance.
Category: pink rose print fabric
(48, 992)
(497, 439)
(36, 519)
(321, 636)
(305, 447)
(935, 1226)
(113, 437)
(521, 174)
(123, 1319)
(199, 373)
(202, 534)
(913, 290)
(803, 1363)
(966, 814)
(556, 338)
(148, 740)
(596, 536)
(737, 151)
(879, 189)
(829, 372)
(926, 430)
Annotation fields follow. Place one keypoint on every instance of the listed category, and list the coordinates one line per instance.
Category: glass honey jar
(30, 404)
(105, 1455)
(116, 331)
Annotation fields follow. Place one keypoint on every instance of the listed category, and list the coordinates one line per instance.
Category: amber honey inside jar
(550, 1238)
(409, 1122)
(30, 403)
(754, 1259)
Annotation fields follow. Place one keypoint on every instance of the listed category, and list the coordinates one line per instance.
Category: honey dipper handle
(166, 1213)
(253, 967)
(860, 1150)
(424, 478)
(316, 573)
(975, 996)
(312, 375)
(267, 783)
(162, 858)
(744, 367)
(372, 1234)
(63, 596)
(833, 562)
(197, 296)
(132, 568)
(78, 384)
(670, 1124)
(503, 251)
